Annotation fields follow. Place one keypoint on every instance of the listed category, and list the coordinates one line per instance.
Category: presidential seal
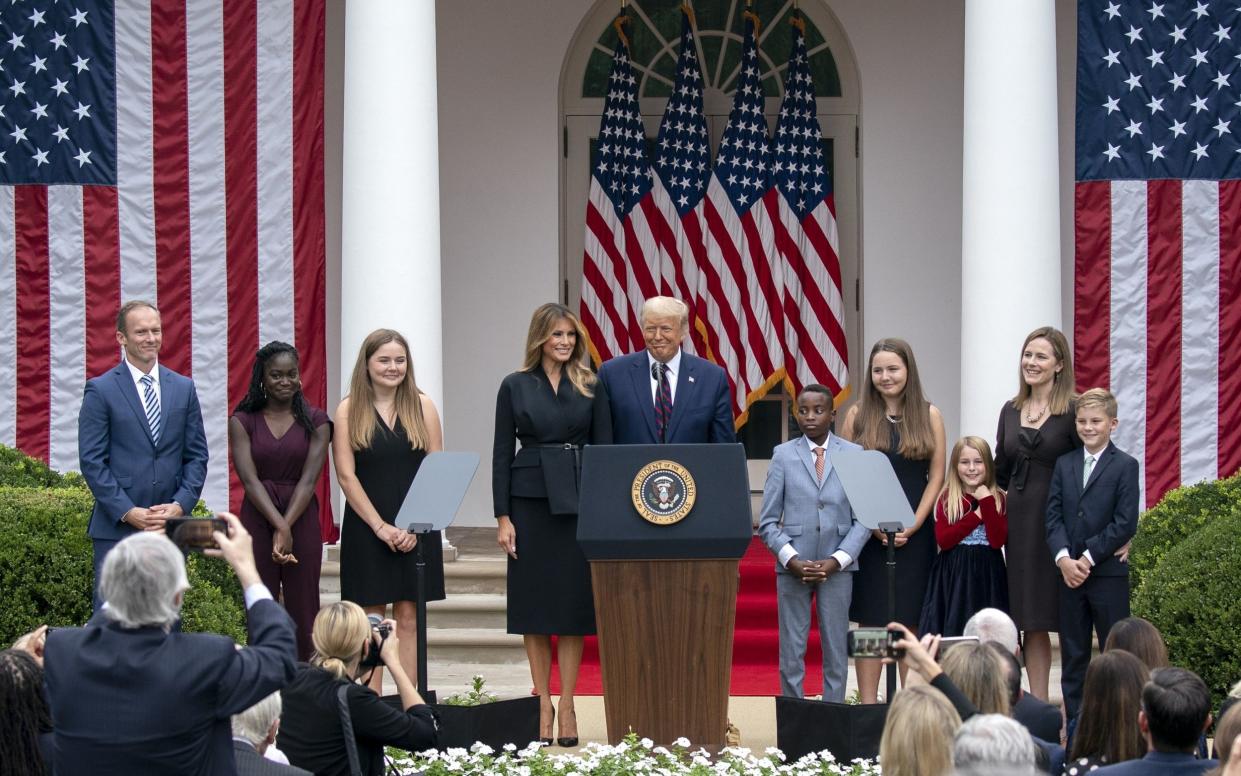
(664, 492)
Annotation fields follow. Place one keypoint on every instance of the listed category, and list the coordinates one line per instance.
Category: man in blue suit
(663, 395)
(1176, 711)
(141, 444)
(129, 695)
(807, 523)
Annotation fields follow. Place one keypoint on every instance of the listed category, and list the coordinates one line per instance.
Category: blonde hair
(871, 429)
(1101, 398)
(954, 489)
(918, 732)
(977, 671)
(339, 631)
(361, 397)
(542, 323)
(665, 307)
(1062, 381)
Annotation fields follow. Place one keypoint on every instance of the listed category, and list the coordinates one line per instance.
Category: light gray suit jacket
(816, 519)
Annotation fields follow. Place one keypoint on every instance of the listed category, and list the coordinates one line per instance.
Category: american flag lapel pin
(691, 378)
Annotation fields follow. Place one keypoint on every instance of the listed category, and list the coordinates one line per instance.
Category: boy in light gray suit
(807, 523)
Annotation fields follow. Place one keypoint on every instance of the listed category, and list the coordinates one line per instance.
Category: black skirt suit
(549, 588)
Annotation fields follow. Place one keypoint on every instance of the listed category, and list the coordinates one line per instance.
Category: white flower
(647, 743)
(681, 742)
(480, 748)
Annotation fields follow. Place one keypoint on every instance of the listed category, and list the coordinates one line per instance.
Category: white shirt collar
(674, 363)
(1096, 456)
(810, 443)
(137, 374)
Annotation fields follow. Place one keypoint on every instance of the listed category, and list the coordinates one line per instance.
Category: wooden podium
(663, 527)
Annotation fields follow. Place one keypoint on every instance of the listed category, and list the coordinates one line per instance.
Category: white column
(390, 220)
(1010, 263)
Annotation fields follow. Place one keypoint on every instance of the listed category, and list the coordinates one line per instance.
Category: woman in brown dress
(1036, 427)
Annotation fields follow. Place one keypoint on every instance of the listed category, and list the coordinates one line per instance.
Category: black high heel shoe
(568, 741)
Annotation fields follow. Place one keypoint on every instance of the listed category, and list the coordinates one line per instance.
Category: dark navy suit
(1160, 764)
(1099, 517)
(144, 701)
(123, 465)
(701, 407)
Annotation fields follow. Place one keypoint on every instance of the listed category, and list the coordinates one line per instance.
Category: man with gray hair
(254, 731)
(663, 395)
(994, 743)
(1042, 719)
(131, 696)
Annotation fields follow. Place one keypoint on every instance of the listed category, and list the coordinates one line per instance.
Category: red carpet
(756, 641)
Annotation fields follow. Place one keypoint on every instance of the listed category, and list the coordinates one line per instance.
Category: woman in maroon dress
(279, 443)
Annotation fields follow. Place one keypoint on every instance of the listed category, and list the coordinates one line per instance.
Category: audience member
(1139, 638)
(311, 731)
(977, 671)
(130, 695)
(1042, 719)
(1227, 734)
(994, 743)
(1107, 730)
(1176, 709)
(25, 721)
(254, 731)
(1234, 695)
(917, 735)
(1050, 754)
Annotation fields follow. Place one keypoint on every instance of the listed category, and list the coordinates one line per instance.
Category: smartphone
(874, 643)
(948, 642)
(194, 534)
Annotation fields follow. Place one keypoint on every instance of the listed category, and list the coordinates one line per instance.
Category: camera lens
(374, 619)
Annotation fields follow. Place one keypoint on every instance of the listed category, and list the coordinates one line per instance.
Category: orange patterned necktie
(818, 464)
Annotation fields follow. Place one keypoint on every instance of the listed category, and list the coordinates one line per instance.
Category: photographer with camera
(131, 695)
(332, 724)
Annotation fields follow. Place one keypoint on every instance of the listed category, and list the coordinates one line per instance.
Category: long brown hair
(1141, 639)
(1111, 699)
(954, 489)
(917, 735)
(542, 323)
(1062, 386)
(408, 400)
(870, 426)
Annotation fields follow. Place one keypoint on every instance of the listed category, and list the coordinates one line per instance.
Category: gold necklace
(1036, 418)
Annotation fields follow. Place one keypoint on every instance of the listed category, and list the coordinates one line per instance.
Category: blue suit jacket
(122, 464)
(1100, 517)
(816, 519)
(1159, 764)
(701, 410)
(143, 701)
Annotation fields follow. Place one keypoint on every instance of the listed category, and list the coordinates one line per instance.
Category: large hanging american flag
(751, 245)
(168, 151)
(1157, 315)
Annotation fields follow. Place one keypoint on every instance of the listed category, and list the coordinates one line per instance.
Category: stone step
(469, 610)
(475, 645)
(476, 575)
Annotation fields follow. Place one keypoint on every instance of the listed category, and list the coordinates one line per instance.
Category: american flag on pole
(682, 167)
(168, 151)
(806, 237)
(744, 286)
(1157, 315)
(620, 267)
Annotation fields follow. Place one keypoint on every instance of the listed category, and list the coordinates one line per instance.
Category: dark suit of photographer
(311, 732)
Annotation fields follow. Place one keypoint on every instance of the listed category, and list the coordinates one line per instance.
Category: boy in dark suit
(1092, 511)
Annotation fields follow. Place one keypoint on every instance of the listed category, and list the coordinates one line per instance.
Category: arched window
(654, 33)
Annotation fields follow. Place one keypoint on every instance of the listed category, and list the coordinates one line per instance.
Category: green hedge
(1191, 596)
(46, 571)
(1181, 513)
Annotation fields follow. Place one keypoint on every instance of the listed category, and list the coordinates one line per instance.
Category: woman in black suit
(553, 405)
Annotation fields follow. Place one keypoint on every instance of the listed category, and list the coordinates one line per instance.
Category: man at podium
(662, 395)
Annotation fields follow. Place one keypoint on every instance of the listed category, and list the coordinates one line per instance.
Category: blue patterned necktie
(151, 402)
(663, 400)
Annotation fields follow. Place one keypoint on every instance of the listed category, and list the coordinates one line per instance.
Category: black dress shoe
(567, 742)
(545, 741)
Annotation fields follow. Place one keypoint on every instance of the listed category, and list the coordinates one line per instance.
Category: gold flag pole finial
(619, 23)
